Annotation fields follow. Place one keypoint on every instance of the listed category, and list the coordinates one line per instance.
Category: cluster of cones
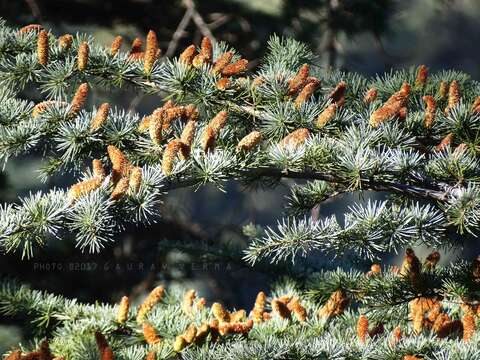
(303, 86)
(76, 105)
(151, 53)
(426, 313)
(124, 177)
(42, 353)
(222, 66)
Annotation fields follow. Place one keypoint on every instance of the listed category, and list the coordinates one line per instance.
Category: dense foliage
(407, 133)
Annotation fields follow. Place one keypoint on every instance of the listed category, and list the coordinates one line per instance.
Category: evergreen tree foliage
(408, 134)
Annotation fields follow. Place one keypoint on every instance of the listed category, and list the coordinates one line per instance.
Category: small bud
(42, 48)
(207, 141)
(443, 90)
(144, 124)
(44, 351)
(168, 105)
(152, 355)
(418, 321)
(280, 308)
(150, 301)
(259, 307)
(116, 44)
(150, 52)
(468, 322)
(169, 155)
(188, 133)
(432, 260)
(298, 82)
(429, 111)
(394, 106)
(65, 41)
(191, 113)
(327, 115)
(404, 92)
(190, 333)
(200, 304)
(206, 49)
(396, 336)
(15, 355)
(453, 96)
(249, 141)
(33, 355)
(476, 105)
(362, 328)
(258, 81)
(155, 126)
(170, 114)
(79, 99)
(402, 113)
(223, 83)
(238, 316)
(446, 141)
(150, 334)
(410, 266)
(103, 348)
(448, 328)
(123, 308)
(375, 270)
(120, 189)
(235, 328)
(83, 53)
(198, 61)
(384, 113)
(421, 78)
(297, 309)
(84, 187)
(411, 357)
(30, 27)
(205, 55)
(202, 333)
(235, 68)
(187, 55)
(440, 321)
(434, 313)
(295, 138)
(370, 96)
(179, 344)
(222, 62)
(335, 305)
(306, 92)
(44, 105)
(219, 121)
(97, 169)
(220, 313)
(100, 117)
(337, 96)
(137, 56)
(120, 164)
(401, 96)
(137, 45)
(188, 300)
(135, 179)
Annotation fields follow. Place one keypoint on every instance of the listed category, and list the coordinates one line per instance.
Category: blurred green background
(368, 36)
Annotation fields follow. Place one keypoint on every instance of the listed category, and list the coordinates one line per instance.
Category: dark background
(368, 36)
